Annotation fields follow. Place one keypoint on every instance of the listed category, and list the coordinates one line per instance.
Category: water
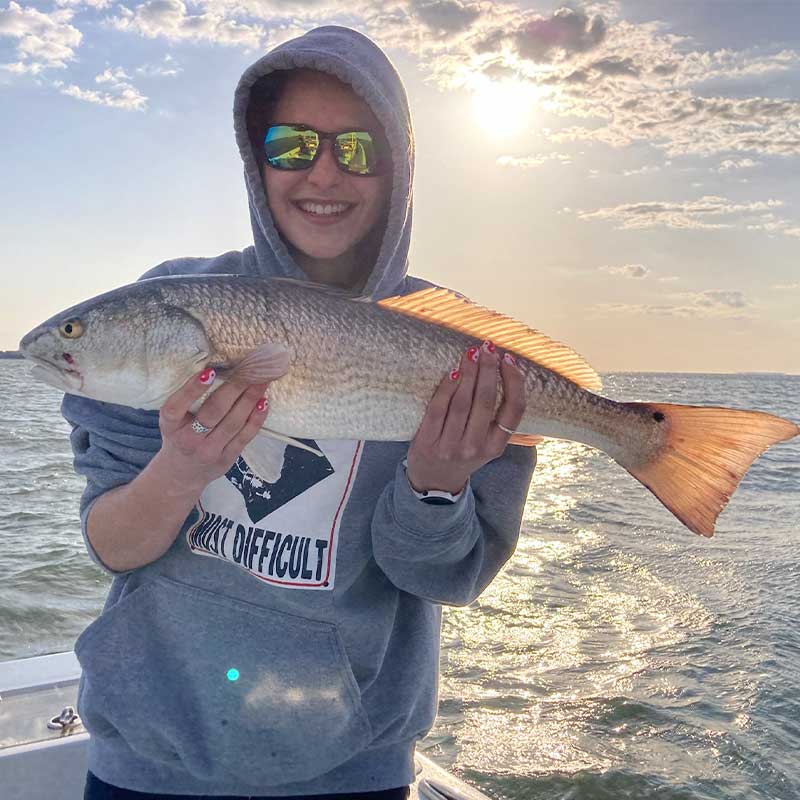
(616, 656)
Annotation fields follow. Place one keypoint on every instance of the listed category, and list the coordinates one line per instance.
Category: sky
(623, 176)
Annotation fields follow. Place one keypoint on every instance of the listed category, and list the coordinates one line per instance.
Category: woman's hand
(234, 413)
(459, 432)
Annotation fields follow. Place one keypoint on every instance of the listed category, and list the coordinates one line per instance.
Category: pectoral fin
(266, 363)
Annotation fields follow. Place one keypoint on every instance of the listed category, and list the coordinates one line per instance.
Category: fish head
(126, 346)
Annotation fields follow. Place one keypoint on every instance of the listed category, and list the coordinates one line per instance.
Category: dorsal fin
(446, 308)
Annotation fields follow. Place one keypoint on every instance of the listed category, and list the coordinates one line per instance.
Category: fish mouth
(68, 380)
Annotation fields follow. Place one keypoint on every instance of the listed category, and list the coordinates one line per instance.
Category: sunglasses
(292, 147)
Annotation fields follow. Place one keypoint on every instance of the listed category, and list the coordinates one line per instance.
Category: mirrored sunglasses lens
(357, 153)
(290, 148)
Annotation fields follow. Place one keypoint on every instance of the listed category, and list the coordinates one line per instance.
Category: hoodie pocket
(219, 687)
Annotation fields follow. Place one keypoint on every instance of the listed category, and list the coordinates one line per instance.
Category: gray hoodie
(288, 641)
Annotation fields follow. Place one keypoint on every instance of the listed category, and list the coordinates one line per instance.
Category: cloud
(713, 303)
(641, 171)
(44, 41)
(732, 163)
(720, 298)
(626, 82)
(528, 162)
(691, 214)
(565, 33)
(684, 124)
(98, 4)
(665, 70)
(699, 66)
(610, 81)
(128, 99)
(169, 68)
(627, 270)
(169, 18)
(616, 66)
(445, 17)
(113, 76)
(118, 92)
(771, 224)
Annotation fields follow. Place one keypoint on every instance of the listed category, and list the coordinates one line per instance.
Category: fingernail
(261, 404)
(509, 359)
(488, 346)
(473, 353)
(207, 376)
(454, 374)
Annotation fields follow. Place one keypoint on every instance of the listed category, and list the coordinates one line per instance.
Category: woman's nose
(324, 171)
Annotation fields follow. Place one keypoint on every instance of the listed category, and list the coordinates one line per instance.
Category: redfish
(346, 368)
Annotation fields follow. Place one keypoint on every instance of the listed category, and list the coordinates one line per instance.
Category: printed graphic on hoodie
(284, 533)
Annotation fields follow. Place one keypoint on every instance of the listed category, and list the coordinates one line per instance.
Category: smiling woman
(334, 624)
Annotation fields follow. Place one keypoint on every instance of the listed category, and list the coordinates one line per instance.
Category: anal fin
(265, 456)
(525, 440)
(266, 453)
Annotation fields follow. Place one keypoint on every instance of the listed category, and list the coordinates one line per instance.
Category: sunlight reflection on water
(544, 659)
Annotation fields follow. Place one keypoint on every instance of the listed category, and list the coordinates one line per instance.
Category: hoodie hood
(357, 61)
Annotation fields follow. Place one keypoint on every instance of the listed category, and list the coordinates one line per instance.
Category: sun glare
(504, 108)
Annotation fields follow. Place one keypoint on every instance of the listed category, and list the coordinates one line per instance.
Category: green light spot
(233, 674)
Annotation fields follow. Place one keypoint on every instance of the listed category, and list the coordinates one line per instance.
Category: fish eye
(71, 329)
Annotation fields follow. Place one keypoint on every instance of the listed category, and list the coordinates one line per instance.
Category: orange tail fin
(707, 452)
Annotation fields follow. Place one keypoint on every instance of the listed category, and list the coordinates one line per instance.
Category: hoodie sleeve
(111, 445)
(450, 553)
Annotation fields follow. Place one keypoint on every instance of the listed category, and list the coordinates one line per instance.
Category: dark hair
(264, 96)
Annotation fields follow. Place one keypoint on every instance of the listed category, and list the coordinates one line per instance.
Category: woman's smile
(323, 212)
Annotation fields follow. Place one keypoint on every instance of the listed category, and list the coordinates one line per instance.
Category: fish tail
(704, 454)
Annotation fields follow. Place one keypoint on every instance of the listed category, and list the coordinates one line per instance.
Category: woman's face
(353, 204)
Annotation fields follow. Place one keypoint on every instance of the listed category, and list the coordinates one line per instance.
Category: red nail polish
(454, 374)
(488, 346)
(261, 404)
(509, 359)
(207, 375)
(473, 353)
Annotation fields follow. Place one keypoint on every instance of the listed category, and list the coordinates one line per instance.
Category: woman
(299, 657)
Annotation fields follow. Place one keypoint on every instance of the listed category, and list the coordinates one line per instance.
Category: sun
(503, 108)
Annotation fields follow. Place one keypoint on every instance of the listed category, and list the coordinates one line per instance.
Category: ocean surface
(617, 655)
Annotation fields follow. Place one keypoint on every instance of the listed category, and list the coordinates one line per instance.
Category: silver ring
(198, 426)
(504, 429)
